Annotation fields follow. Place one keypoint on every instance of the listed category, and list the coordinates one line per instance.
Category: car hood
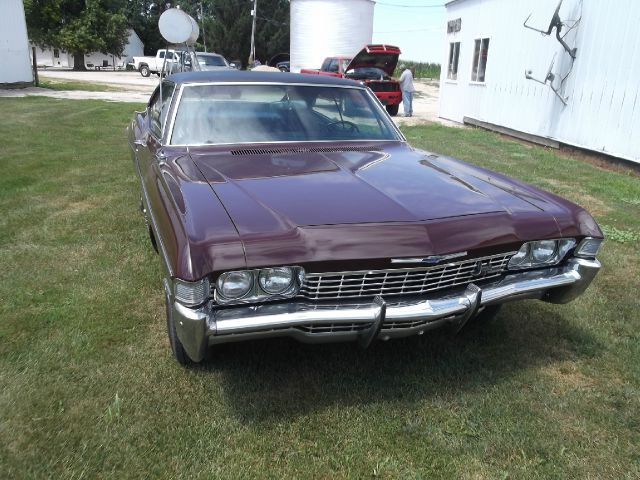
(373, 201)
(384, 57)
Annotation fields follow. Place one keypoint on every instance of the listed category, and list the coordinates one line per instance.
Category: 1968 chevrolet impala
(291, 205)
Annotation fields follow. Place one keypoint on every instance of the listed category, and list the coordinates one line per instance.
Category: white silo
(323, 28)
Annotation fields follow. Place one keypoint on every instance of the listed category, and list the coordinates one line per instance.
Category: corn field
(420, 69)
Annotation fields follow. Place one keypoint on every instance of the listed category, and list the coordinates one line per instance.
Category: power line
(408, 6)
(433, 29)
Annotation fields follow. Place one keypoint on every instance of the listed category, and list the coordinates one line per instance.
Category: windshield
(215, 114)
(211, 60)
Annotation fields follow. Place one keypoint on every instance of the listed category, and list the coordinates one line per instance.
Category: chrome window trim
(184, 85)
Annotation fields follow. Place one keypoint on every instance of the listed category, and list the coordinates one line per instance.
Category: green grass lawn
(59, 84)
(89, 389)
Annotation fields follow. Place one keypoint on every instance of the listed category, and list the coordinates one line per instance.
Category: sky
(416, 26)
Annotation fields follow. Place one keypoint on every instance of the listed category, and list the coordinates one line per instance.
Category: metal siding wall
(603, 113)
(14, 46)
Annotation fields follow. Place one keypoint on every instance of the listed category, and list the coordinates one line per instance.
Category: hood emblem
(430, 260)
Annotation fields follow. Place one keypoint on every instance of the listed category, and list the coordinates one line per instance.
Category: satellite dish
(554, 22)
(542, 19)
(178, 27)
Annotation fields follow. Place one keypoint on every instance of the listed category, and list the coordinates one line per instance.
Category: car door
(152, 168)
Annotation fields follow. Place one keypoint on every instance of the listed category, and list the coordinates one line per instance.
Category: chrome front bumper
(383, 319)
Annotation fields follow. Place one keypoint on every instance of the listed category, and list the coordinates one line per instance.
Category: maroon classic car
(291, 205)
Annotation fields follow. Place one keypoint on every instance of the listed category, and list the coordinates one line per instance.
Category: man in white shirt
(406, 85)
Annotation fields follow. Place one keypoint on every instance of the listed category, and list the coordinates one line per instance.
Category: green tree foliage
(143, 16)
(227, 27)
(77, 26)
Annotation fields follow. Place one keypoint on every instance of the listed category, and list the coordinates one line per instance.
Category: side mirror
(233, 65)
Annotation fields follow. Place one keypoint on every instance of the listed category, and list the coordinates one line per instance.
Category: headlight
(588, 247)
(276, 280)
(234, 285)
(191, 293)
(250, 286)
(541, 253)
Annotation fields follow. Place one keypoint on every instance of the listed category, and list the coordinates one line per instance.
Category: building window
(480, 53)
(56, 53)
(454, 54)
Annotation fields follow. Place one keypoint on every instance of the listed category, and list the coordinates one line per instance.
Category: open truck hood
(384, 57)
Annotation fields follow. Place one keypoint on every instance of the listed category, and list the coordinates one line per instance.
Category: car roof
(257, 77)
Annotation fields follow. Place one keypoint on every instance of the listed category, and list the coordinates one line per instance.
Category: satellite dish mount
(556, 22)
(548, 80)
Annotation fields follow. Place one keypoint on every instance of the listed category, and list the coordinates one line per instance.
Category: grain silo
(323, 28)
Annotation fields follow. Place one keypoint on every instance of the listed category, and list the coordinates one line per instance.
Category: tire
(144, 70)
(393, 109)
(176, 346)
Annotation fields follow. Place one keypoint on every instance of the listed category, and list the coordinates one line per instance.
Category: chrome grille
(404, 281)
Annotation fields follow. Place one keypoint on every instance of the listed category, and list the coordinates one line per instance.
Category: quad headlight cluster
(258, 285)
(541, 253)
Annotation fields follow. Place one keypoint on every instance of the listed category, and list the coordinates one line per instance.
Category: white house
(54, 57)
(499, 73)
(15, 67)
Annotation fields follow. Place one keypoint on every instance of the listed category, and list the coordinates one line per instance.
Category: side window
(333, 66)
(480, 54)
(325, 65)
(454, 55)
(161, 55)
(160, 108)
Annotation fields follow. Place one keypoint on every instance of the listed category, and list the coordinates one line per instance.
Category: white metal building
(324, 28)
(15, 69)
(54, 57)
(489, 53)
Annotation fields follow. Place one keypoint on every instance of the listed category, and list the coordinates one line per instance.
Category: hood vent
(284, 151)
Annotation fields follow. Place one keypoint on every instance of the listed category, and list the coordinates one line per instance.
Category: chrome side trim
(154, 226)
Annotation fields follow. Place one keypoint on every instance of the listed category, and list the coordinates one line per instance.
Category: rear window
(211, 60)
(221, 114)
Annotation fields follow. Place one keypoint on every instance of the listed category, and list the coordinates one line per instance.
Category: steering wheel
(345, 125)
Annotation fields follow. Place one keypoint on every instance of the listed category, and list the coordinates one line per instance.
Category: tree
(227, 27)
(143, 17)
(79, 27)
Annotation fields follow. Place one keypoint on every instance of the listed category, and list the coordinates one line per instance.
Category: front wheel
(393, 109)
(144, 71)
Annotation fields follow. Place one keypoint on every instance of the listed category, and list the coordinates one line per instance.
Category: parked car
(373, 66)
(212, 61)
(291, 205)
(281, 61)
(284, 66)
(148, 65)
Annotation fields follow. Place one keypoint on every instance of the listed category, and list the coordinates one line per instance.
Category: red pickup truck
(373, 66)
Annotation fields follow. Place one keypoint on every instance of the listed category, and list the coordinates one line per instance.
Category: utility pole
(204, 37)
(254, 12)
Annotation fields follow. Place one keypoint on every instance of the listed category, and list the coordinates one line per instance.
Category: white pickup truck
(148, 65)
